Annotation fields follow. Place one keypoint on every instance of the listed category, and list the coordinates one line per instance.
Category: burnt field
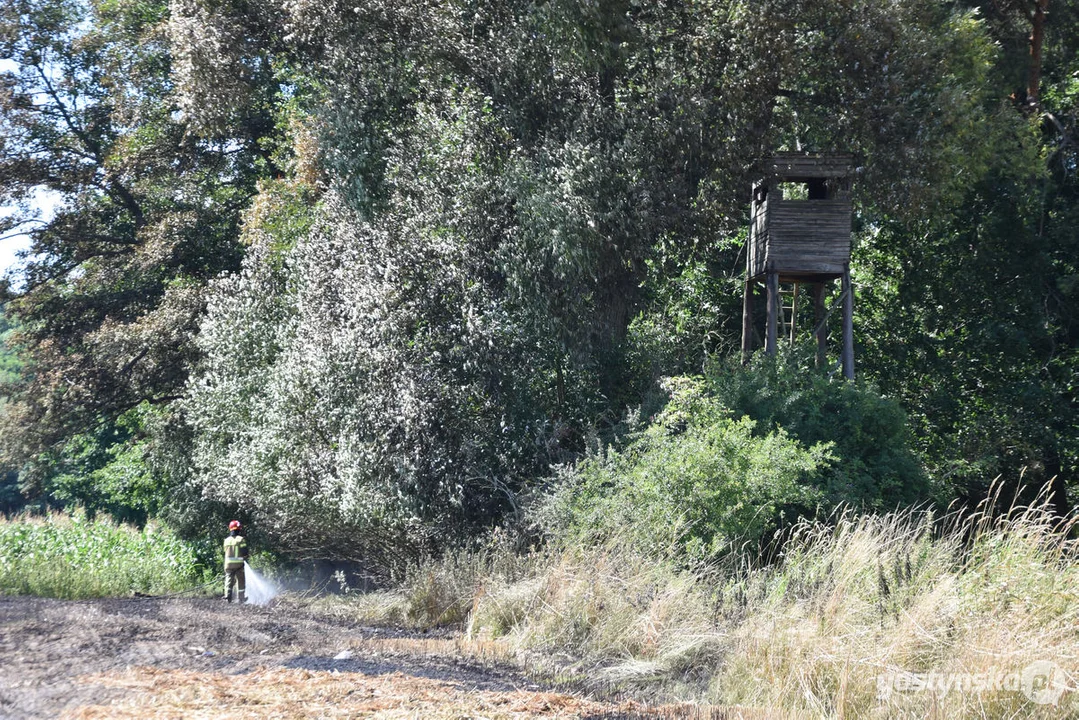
(196, 658)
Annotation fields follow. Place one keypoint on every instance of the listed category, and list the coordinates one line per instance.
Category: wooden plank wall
(811, 236)
(758, 236)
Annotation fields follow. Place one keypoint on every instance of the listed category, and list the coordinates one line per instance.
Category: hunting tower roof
(801, 166)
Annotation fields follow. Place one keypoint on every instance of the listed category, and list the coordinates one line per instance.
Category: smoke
(259, 591)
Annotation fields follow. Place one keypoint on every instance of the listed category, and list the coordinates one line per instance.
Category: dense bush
(380, 388)
(873, 466)
(694, 482)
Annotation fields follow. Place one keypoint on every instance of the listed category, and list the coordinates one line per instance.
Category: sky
(45, 203)
(8, 248)
(11, 245)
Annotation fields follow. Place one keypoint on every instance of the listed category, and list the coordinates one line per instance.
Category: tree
(969, 314)
(110, 299)
(503, 187)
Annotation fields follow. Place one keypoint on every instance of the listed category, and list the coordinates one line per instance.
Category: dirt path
(200, 658)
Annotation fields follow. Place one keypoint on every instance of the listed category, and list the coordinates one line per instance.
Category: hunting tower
(800, 235)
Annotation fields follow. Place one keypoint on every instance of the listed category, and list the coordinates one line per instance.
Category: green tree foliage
(694, 482)
(968, 314)
(682, 322)
(373, 388)
(972, 331)
(106, 471)
(10, 365)
(10, 369)
(148, 211)
(505, 185)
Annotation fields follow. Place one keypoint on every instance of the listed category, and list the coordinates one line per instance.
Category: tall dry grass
(853, 621)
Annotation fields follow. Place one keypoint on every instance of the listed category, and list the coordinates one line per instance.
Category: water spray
(259, 591)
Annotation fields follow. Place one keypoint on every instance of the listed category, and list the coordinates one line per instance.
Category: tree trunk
(848, 326)
(1037, 39)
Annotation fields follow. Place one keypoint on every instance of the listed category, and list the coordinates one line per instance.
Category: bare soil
(201, 658)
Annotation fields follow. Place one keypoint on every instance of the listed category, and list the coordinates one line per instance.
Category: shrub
(873, 465)
(695, 482)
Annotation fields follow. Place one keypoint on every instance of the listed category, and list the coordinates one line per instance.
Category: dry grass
(853, 611)
(151, 693)
(857, 611)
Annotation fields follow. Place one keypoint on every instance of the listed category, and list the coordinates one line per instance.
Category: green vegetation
(734, 455)
(307, 269)
(379, 279)
(695, 483)
(873, 463)
(70, 556)
(10, 365)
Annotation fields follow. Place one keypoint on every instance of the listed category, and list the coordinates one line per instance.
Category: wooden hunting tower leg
(747, 322)
(848, 325)
(794, 313)
(773, 312)
(820, 324)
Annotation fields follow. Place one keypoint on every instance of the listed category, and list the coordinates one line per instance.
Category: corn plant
(73, 556)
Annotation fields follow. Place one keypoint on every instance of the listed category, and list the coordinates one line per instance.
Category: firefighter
(235, 555)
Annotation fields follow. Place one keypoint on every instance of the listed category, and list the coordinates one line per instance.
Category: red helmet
(234, 525)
